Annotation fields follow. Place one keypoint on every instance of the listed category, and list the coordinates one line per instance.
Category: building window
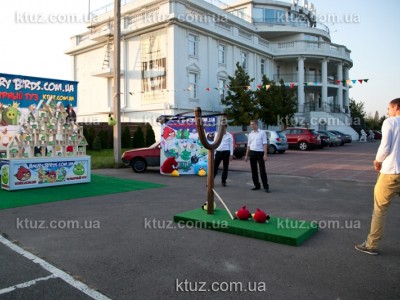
(192, 44)
(262, 66)
(193, 85)
(243, 60)
(221, 88)
(221, 54)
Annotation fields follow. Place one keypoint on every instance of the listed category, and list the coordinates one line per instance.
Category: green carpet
(99, 185)
(278, 230)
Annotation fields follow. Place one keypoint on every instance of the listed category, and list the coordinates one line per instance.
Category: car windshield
(281, 134)
(240, 138)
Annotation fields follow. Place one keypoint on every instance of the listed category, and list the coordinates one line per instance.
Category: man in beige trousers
(387, 163)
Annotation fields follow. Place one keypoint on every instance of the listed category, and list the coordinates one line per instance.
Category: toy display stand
(47, 150)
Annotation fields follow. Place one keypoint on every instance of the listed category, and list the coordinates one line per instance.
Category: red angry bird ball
(260, 216)
(243, 213)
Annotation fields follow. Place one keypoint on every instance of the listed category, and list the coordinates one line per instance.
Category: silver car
(277, 141)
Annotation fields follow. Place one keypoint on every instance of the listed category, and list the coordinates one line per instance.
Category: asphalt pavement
(127, 246)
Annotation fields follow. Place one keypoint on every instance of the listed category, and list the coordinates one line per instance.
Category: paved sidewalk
(137, 252)
(349, 162)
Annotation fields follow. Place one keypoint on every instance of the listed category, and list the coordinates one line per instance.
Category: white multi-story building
(178, 54)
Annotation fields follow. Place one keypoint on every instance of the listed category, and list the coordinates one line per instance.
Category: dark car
(239, 143)
(325, 139)
(346, 138)
(140, 159)
(334, 139)
(303, 138)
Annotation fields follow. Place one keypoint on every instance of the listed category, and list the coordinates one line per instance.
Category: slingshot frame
(211, 148)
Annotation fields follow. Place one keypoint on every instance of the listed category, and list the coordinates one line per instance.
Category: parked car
(325, 139)
(239, 143)
(377, 134)
(140, 159)
(335, 139)
(303, 138)
(277, 141)
(346, 138)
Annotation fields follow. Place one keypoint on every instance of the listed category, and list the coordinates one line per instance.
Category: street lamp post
(117, 82)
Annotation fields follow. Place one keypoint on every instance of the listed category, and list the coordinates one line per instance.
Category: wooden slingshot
(211, 148)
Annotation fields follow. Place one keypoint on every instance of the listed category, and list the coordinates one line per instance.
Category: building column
(340, 85)
(324, 88)
(300, 84)
(346, 100)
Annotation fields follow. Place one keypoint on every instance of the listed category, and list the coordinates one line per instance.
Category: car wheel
(281, 151)
(139, 165)
(271, 149)
(303, 146)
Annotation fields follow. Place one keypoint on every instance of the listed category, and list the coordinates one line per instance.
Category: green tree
(104, 138)
(126, 141)
(97, 144)
(357, 112)
(277, 103)
(150, 136)
(240, 105)
(138, 138)
(90, 135)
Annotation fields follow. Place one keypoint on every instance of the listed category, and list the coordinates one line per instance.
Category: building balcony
(310, 48)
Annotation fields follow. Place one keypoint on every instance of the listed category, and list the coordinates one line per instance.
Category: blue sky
(369, 29)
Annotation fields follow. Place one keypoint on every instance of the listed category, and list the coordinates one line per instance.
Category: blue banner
(23, 91)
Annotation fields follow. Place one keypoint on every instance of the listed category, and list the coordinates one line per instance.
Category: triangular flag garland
(259, 86)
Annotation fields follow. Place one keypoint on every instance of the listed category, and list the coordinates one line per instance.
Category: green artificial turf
(99, 185)
(278, 230)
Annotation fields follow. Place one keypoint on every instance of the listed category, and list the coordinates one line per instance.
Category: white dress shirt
(257, 140)
(226, 143)
(389, 149)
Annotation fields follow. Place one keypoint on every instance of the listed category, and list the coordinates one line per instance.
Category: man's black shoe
(255, 188)
(267, 189)
(223, 183)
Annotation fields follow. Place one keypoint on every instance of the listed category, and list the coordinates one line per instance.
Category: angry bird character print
(23, 174)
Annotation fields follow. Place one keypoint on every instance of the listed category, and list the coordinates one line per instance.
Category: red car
(140, 159)
(303, 138)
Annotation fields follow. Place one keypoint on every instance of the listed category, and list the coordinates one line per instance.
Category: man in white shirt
(387, 163)
(224, 153)
(257, 146)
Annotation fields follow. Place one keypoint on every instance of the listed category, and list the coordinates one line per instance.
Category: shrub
(126, 140)
(138, 138)
(97, 144)
(150, 137)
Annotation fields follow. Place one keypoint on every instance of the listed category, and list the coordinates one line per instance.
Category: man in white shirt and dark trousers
(387, 163)
(224, 153)
(257, 148)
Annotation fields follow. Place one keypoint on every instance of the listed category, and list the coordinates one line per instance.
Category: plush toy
(243, 213)
(202, 172)
(260, 216)
(169, 165)
(204, 207)
(111, 120)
